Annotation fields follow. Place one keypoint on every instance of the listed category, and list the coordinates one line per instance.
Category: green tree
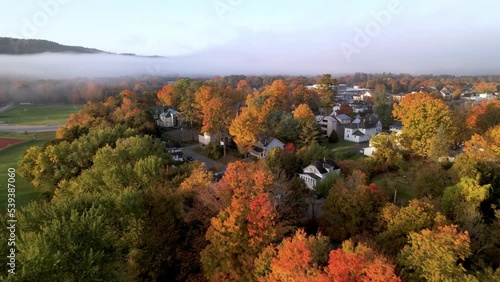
(351, 207)
(333, 138)
(440, 143)
(325, 89)
(398, 222)
(387, 150)
(464, 197)
(310, 132)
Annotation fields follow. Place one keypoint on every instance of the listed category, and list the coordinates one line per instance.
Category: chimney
(324, 159)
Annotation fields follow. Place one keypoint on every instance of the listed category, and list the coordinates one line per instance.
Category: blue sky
(419, 32)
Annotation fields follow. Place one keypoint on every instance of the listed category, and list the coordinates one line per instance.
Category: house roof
(343, 117)
(358, 133)
(264, 141)
(364, 123)
(397, 125)
(321, 166)
(330, 118)
(369, 122)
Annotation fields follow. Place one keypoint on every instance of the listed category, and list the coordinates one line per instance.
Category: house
(398, 97)
(169, 118)
(368, 151)
(205, 138)
(362, 129)
(177, 156)
(396, 127)
(264, 146)
(176, 153)
(446, 92)
(317, 171)
(328, 124)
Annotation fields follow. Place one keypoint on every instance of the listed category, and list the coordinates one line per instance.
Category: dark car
(189, 159)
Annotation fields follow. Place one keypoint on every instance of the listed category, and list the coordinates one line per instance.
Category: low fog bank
(285, 54)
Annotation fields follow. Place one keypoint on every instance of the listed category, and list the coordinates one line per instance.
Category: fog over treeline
(313, 54)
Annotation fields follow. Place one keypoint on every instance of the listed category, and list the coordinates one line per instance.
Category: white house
(206, 138)
(264, 145)
(363, 130)
(169, 118)
(317, 171)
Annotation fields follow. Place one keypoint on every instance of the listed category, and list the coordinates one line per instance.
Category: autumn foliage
(421, 116)
(303, 112)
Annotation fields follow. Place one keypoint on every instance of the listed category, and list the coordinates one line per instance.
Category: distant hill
(15, 46)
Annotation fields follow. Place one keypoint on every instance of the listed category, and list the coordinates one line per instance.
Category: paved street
(211, 164)
(28, 128)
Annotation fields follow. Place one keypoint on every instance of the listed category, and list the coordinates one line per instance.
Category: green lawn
(39, 114)
(342, 145)
(9, 157)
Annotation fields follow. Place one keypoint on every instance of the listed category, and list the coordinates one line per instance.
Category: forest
(120, 209)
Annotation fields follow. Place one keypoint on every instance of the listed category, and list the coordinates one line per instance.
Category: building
(205, 138)
(396, 127)
(169, 118)
(368, 151)
(317, 171)
(264, 146)
(362, 129)
(343, 119)
(328, 124)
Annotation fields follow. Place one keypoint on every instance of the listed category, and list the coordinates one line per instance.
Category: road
(6, 108)
(211, 164)
(28, 128)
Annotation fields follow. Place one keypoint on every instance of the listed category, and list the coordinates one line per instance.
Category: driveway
(211, 164)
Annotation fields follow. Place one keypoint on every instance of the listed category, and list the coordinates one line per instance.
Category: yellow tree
(485, 147)
(437, 255)
(217, 116)
(245, 128)
(280, 91)
(201, 98)
(303, 112)
(421, 116)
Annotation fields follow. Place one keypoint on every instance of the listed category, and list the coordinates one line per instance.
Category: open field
(39, 114)
(25, 192)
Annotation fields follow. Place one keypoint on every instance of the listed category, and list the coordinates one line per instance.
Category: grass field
(25, 192)
(39, 114)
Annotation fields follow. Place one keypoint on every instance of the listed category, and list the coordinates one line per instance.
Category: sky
(267, 37)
